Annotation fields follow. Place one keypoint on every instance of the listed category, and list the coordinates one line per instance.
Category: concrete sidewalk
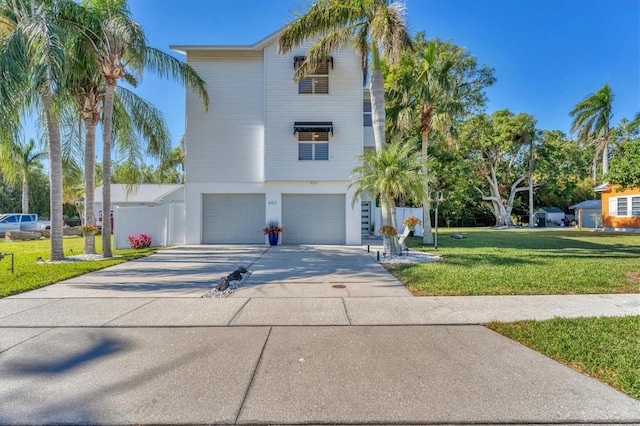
(137, 344)
(324, 311)
(293, 375)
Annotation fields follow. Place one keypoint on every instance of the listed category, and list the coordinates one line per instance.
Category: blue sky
(548, 54)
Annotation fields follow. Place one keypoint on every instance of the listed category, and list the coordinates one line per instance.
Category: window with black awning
(313, 127)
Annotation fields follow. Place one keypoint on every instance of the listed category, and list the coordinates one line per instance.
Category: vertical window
(366, 113)
(313, 146)
(635, 206)
(317, 81)
(622, 206)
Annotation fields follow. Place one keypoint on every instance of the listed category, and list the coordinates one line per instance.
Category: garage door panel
(233, 218)
(313, 219)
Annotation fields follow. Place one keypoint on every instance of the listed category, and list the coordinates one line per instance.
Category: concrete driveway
(282, 271)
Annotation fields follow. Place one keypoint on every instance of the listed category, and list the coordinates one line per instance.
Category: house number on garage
(272, 202)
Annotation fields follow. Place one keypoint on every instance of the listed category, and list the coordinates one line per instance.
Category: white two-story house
(270, 148)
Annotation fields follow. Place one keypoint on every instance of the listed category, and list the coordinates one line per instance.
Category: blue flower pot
(273, 239)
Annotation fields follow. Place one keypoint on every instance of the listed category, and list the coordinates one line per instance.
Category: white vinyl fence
(401, 214)
(165, 224)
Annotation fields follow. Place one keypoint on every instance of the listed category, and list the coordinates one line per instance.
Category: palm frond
(146, 121)
(389, 31)
(167, 66)
(320, 52)
(322, 18)
(394, 172)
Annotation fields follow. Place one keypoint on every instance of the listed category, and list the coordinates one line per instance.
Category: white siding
(245, 144)
(227, 142)
(284, 106)
(175, 196)
(163, 223)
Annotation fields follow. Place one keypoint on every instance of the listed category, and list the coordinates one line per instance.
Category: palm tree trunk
(106, 170)
(427, 235)
(25, 195)
(388, 215)
(378, 114)
(531, 215)
(531, 167)
(395, 243)
(89, 185)
(55, 173)
(605, 157)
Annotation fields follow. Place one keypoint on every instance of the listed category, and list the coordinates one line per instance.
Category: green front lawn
(500, 262)
(607, 349)
(31, 273)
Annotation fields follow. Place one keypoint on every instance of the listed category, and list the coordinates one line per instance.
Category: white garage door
(233, 218)
(313, 219)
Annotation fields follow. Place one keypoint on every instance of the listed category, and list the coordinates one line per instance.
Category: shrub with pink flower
(140, 241)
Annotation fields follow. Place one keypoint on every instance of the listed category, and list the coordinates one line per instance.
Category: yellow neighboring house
(620, 209)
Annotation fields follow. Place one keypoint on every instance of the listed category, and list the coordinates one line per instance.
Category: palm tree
(121, 49)
(394, 172)
(426, 85)
(435, 84)
(86, 91)
(591, 119)
(32, 60)
(17, 163)
(375, 27)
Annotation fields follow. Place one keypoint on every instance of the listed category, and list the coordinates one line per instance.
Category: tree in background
(499, 147)
(168, 171)
(562, 171)
(18, 163)
(625, 167)
(592, 120)
(457, 177)
(434, 84)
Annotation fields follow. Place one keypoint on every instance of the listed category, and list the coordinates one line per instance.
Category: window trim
(365, 113)
(313, 134)
(623, 206)
(313, 151)
(313, 76)
(635, 210)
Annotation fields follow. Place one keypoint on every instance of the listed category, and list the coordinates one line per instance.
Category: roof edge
(257, 46)
(179, 186)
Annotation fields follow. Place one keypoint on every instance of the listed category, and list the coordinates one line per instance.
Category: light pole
(438, 197)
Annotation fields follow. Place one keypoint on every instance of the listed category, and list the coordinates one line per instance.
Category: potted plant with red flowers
(387, 232)
(411, 222)
(273, 230)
